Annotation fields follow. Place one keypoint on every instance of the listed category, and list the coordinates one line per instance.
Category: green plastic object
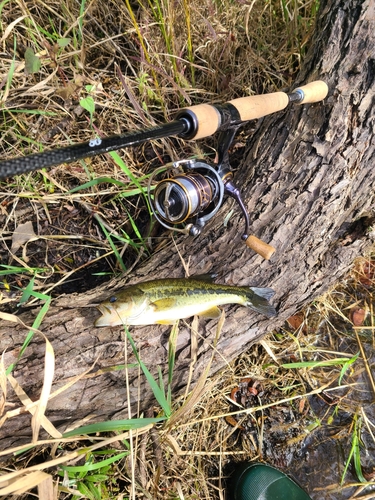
(257, 481)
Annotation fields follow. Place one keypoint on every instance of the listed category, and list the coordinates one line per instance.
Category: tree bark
(308, 183)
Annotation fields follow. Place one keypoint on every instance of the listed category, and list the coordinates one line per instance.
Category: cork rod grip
(249, 108)
(207, 117)
(313, 92)
(256, 106)
(260, 247)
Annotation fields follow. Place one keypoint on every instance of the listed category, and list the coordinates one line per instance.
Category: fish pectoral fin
(165, 322)
(212, 313)
(163, 304)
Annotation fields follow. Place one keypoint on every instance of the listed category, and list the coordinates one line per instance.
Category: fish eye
(113, 299)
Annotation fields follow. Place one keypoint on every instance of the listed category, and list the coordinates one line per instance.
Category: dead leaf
(296, 320)
(67, 91)
(49, 370)
(9, 28)
(22, 234)
(47, 490)
(357, 316)
(25, 483)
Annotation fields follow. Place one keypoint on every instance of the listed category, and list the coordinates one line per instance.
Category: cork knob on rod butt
(260, 247)
(312, 92)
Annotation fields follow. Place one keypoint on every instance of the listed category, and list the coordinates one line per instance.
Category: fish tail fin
(258, 300)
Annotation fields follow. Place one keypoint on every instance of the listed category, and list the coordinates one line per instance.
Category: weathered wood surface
(309, 183)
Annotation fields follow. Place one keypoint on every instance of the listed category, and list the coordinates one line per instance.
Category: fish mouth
(113, 317)
(103, 309)
(105, 318)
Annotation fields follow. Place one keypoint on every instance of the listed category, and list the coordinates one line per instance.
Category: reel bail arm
(260, 247)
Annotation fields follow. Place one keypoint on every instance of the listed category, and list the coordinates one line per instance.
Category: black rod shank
(94, 147)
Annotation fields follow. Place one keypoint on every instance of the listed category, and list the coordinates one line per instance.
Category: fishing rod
(187, 193)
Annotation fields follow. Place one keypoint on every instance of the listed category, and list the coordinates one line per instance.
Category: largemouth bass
(164, 301)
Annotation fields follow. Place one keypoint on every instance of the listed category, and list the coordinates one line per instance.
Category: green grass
(28, 293)
(354, 453)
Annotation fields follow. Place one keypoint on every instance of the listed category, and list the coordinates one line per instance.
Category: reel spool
(187, 193)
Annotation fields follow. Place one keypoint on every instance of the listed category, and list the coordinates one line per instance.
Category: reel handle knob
(260, 247)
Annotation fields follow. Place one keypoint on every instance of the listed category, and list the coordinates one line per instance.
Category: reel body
(185, 193)
(188, 193)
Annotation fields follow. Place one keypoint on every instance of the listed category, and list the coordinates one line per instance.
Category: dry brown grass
(143, 72)
(144, 65)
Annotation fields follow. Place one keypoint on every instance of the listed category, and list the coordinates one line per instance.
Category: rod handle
(257, 106)
(312, 92)
(260, 247)
(207, 118)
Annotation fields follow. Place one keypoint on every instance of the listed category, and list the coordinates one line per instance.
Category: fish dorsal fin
(212, 313)
(208, 277)
(163, 304)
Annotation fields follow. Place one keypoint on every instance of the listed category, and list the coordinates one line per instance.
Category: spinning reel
(187, 193)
